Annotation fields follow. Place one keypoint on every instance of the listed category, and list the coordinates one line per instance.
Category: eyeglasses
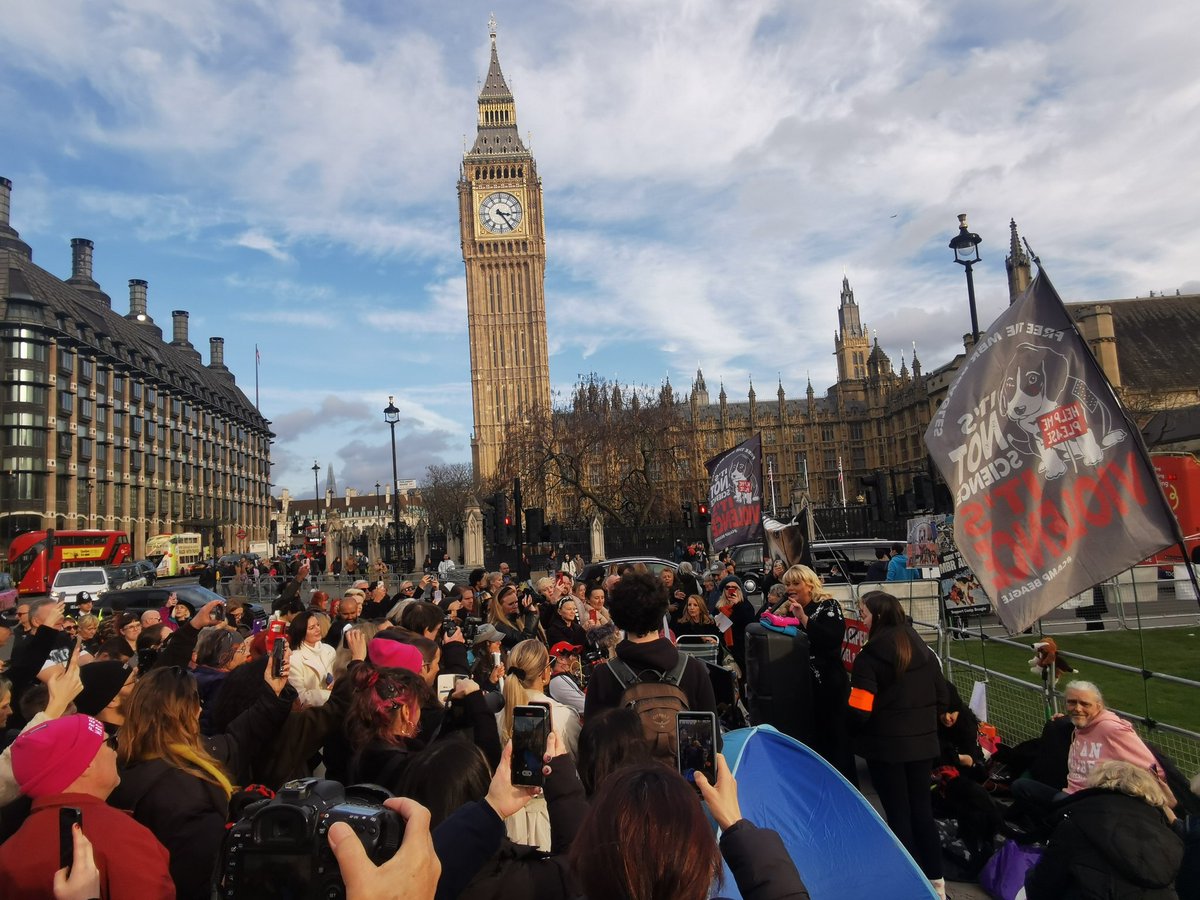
(111, 742)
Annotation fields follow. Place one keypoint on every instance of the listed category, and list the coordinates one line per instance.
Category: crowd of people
(165, 728)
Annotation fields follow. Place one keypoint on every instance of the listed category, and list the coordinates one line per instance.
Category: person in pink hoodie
(1100, 734)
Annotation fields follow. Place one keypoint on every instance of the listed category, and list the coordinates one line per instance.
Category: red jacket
(131, 861)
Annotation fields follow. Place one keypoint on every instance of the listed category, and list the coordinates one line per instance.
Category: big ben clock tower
(504, 250)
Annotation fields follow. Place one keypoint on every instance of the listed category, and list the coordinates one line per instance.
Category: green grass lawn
(1174, 651)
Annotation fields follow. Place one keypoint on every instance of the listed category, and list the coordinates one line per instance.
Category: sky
(286, 171)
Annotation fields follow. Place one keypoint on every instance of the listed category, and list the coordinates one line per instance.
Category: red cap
(563, 647)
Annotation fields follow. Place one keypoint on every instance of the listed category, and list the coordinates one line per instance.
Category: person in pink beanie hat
(68, 762)
(389, 654)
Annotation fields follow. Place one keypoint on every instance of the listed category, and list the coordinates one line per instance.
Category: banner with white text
(1053, 493)
(735, 494)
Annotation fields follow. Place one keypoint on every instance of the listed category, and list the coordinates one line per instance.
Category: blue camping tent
(837, 840)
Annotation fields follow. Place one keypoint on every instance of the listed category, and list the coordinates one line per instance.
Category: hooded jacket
(1108, 845)
(604, 690)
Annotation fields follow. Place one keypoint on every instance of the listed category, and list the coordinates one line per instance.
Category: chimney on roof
(5, 201)
(216, 354)
(137, 302)
(81, 259)
(81, 271)
(179, 329)
(9, 239)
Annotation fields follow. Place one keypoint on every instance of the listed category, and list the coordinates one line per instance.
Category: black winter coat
(479, 862)
(558, 630)
(188, 814)
(526, 627)
(1108, 845)
(895, 717)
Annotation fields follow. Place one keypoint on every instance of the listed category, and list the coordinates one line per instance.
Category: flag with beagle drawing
(1053, 490)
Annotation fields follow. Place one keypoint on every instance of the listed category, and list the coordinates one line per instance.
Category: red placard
(852, 643)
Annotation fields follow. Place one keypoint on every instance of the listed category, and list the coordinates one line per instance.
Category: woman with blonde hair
(1114, 839)
(813, 610)
(88, 626)
(696, 620)
(527, 674)
(176, 781)
(514, 616)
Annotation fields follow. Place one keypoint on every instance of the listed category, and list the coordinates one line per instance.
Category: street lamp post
(316, 491)
(391, 415)
(966, 253)
(90, 487)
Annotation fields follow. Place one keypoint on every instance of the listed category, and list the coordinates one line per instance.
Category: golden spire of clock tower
(497, 131)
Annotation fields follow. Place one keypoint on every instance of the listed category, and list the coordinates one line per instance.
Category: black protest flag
(735, 494)
(1053, 490)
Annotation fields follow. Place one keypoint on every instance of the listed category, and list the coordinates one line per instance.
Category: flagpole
(842, 482)
(771, 478)
(256, 361)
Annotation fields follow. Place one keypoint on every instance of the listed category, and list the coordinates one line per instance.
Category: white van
(68, 583)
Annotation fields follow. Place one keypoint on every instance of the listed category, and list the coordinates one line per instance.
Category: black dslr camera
(280, 848)
(470, 628)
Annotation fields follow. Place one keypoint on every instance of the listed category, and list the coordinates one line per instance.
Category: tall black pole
(391, 415)
(395, 501)
(522, 570)
(971, 300)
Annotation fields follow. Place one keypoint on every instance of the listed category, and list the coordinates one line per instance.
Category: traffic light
(535, 522)
(876, 488)
(702, 511)
(686, 506)
(923, 489)
(507, 536)
(496, 520)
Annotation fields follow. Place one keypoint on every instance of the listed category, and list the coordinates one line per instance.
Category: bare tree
(446, 491)
(626, 453)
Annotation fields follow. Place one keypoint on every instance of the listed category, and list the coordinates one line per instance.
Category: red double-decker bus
(35, 557)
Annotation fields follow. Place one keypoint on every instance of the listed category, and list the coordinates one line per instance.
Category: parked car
(8, 591)
(97, 581)
(610, 566)
(747, 565)
(845, 561)
(835, 561)
(192, 596)
(147, 570)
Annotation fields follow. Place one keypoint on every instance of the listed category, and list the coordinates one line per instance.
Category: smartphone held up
(531, 730)
(696, 738)
(278, 658)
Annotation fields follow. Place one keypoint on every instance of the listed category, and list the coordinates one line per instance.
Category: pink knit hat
(389, 654)
(48, 758)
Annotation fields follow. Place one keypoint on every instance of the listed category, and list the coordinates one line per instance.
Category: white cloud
(257, 240)
(709, 169)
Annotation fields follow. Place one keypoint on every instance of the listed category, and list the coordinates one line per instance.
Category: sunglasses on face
(111, 742)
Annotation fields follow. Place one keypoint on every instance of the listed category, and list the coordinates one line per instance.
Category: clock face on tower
(500, 212)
